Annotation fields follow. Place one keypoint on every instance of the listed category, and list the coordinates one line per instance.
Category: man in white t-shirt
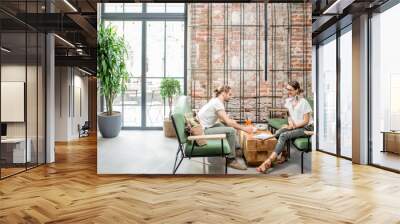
(213, 112)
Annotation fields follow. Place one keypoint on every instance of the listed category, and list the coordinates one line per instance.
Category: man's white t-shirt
(208, 113)
(297, 112)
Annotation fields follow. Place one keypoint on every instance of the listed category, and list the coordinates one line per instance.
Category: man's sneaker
(236, 165)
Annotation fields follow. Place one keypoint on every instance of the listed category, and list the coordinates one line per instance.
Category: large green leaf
(111, 69)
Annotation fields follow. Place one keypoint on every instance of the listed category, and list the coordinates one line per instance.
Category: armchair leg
(226, 165)
(302, 163)
(176, 168)
(176, 159)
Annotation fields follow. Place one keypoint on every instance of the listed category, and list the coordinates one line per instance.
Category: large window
(156, 50)
(385, 84)
(165, 58)
(335, 94)
(346, 93)
(327, 96)
(22, 101)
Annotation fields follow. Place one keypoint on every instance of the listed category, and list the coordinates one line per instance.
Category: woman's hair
(222, 89)
(296, 86)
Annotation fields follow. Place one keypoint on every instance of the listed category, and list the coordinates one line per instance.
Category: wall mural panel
(227, 46)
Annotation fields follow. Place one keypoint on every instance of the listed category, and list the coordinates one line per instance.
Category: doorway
(156, 38)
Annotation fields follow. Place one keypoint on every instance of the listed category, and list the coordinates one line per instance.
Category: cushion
(182, 105)
(302, 144)
(277, 123)
(179, 121)
(213, 148)
(194, 128)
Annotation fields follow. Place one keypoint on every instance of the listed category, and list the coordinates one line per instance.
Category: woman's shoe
(264, 166)
(283, 158)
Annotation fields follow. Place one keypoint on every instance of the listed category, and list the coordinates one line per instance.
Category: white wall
(33, 126)
(79, 117)
(10, 73)
(62, 81)
(16, 73)
(70, 83)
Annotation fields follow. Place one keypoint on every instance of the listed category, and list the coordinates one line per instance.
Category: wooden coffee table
(256, 151)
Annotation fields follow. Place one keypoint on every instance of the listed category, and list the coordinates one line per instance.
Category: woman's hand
(290, 126)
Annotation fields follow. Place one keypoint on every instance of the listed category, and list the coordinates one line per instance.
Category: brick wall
(227, 44)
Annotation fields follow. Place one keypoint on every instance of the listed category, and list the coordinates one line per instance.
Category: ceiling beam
(89, 30)
(81, 61)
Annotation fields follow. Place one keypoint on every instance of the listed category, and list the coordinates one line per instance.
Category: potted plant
(113, 75)
(169, 88)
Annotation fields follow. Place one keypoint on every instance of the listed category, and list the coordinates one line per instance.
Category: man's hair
(218, 91)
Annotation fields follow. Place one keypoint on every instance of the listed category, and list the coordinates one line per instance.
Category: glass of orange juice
(247, 121)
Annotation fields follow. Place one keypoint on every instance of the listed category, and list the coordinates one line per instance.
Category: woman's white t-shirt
(297, 112)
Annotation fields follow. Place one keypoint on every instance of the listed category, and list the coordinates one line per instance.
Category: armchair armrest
(278, 109)
(207, 137)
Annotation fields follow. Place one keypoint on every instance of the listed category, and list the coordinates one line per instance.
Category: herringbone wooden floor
(70, 191)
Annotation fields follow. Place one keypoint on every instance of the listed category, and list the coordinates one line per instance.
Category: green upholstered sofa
(217, 145)
(302, 144)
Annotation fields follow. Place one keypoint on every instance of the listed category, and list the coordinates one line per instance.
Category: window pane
(133, 37)
(155, 49)
(346, 94)
(175, 49)
(156, 110)
(13, 72)
(385, 84)
(133, 7)
(132, 103)
(175, 7)
(117, 104)
(118, 26)
(154, 103)
(156, 7)
(327, 97)
(113, 7)
(32, 100)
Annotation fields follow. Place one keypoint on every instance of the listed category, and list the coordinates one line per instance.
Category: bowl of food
(262, 127)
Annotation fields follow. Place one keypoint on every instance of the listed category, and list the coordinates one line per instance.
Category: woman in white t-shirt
(299, 120)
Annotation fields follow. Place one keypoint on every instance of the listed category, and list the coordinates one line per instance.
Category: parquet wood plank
(70, 191)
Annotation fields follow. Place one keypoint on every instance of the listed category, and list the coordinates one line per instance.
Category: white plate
(261, 127)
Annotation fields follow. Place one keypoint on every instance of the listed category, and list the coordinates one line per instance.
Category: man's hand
(248, 129)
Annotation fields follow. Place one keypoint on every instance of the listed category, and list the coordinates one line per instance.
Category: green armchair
(302, 144)
(217, 145)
